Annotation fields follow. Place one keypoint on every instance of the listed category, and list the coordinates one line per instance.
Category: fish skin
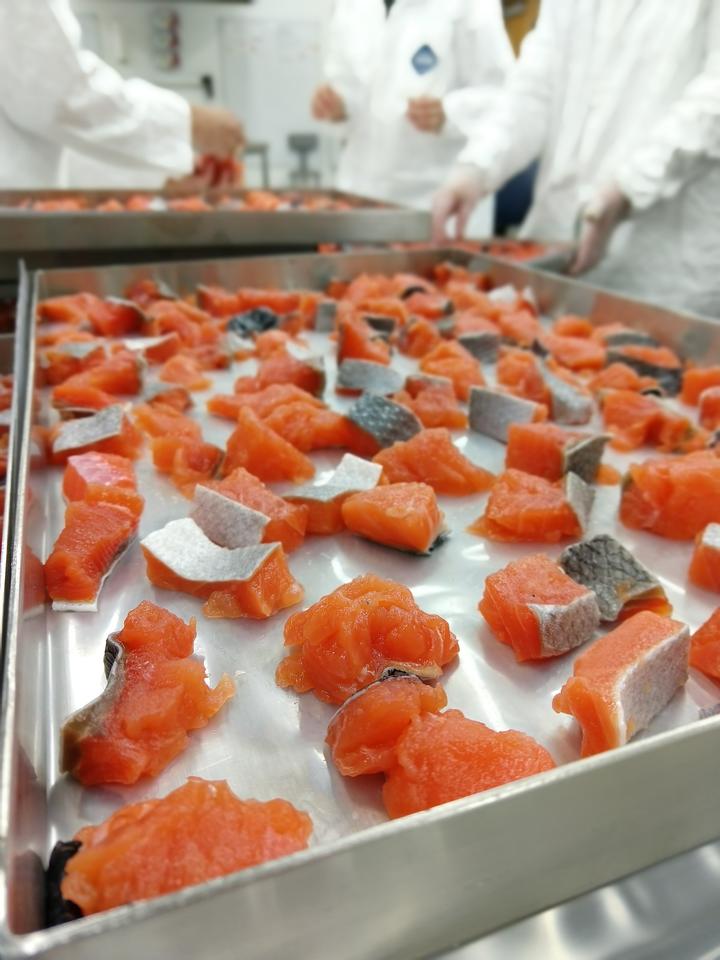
(563, 627)
(605, 566)
(353, 475)
(568, 405)
(631, 338)
(483, 345)
(225, 521)
(583, 457)
(670, 379)
(491, 412)
(325, 316)
(368, 377)
(580, 496)
(82, 432)
(384, 419)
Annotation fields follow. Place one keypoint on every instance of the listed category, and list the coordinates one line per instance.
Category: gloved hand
(426, 114)
(327, 104)
(216, 130)
(457, 197)
(598, 221)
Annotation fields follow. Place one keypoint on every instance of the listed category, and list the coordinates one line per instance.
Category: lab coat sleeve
(505, 135)
(483, 55)
(339, 70)
(68, 95)
(683, 143)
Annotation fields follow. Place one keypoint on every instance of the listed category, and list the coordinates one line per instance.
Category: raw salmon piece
(217, 301)
(445, 756)
(619, 376)
(533, 606)
(64, 361)
(108, 318)
(188, 461)
(431, 457)
(96, 477)
(625, 679)
(156, 695)
(175, 316)
(279, 301)
(160, 350)
(418, 338)
(263, 402)
(208, 356)
(705, 647)
(364, 733)
(406, 284)
(308, 428)
(93, 536)
(467, 298)
(160, 420)
(630, 417)
(287, 521)
(345, 640)
(169, 395)
(451, 360)
(523, 508)
(252, 582)
(271, 340)
(366, 286)
(468, 321)
(358, 341)
(34, 592)
(519, 372)
(324, 501)
(651, 361)
(197, 832)
(400, 515)
(549, 451)
(392, 307)
(493, 412)
(520, 326)
(570, 325)
(577, 353)
(709, 412)
(705, 563)
(144, 292)
(674, 497)
(696, 380)
(259, 449)
(433, 402)
(432, 306)
(185, 371)
(120, 374)
(77, 396)
(282, 367)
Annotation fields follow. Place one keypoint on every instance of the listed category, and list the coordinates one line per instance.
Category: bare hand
(457, 198)
(328, 105)
(599, 219)
(216, 131)
(426, 114)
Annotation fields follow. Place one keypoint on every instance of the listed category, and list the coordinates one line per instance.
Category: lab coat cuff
(640, 190)
(489, 175)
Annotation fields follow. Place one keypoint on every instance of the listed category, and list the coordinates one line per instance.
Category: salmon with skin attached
(262, 403)
(102, 477)
(186, 371)
(93, 536)
(156, 695)
(705, 562)
(451, 360)
(533, 606)
(287, 522)
(433, 402)
(201, 828)
(625, 679)
(705, 647)
(345, 640)
(404, 516)
(696, 380)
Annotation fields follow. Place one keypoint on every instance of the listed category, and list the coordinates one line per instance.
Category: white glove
(598, 221)
(457, 197)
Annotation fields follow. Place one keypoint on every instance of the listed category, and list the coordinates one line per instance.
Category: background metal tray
(401, 889)
(88, 237)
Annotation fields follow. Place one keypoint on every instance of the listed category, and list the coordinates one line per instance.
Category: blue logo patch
(424, 59)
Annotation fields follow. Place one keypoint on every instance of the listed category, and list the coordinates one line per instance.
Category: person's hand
(457, 197)
(327, 104)
(598, 221)
(426, 114)
(216, 131)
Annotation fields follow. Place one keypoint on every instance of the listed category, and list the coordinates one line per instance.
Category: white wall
(264, 58)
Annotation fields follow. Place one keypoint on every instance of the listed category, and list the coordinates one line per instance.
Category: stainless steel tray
(366, 888)
(90, 237)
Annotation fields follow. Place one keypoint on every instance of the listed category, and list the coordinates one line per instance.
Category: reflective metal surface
(56, 239)
(366, 888)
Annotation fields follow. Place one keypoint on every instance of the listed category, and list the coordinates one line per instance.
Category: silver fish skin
(353, 475)
(384, 419)
(325, 316)
(184, 549)
(631, 338)
(669, 378)
(606, 567)
(563, 627)
(368, 377)
(492, 413)
(568, 405)
(74, 434)
(581, 497)
(225, 521)
(584, 456)
(483, 345)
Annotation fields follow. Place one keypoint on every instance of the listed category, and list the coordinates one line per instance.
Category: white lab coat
(623, 90)
(369, 62)
(55, 95)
